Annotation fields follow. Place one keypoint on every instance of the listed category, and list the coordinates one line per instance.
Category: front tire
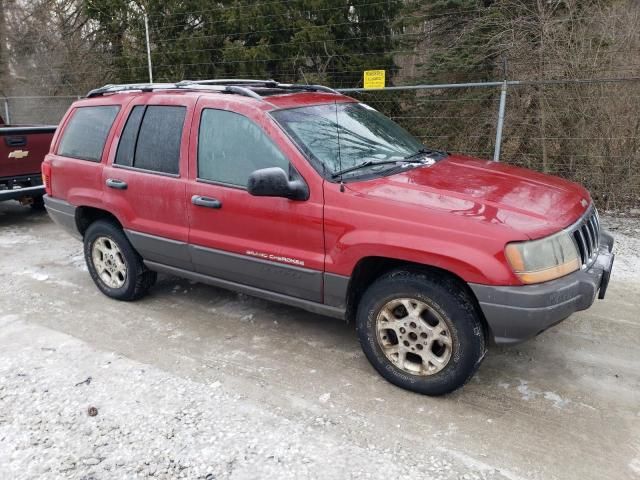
(421, 331)
(115, 267)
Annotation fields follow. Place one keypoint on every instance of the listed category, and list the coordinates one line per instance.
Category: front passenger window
(231, 147)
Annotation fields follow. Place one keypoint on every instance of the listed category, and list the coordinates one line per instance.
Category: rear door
(79, 153)
(145, 178)
(270, 243)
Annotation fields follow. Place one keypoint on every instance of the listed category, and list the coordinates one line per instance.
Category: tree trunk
(4, 59)
(541, 103)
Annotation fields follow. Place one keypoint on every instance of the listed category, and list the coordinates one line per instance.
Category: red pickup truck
(301, 195)
(22, 150)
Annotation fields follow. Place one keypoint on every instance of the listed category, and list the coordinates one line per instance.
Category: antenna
(339, 154)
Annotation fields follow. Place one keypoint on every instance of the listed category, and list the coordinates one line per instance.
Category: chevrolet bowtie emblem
(19, 154)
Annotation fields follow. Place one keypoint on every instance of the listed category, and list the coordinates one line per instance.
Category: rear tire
(421, 331)
(115, 267)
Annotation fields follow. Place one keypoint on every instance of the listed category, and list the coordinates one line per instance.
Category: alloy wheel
(109, 262)
(414, 336)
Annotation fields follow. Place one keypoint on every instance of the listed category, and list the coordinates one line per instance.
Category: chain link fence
(587, 131)
(35, 109)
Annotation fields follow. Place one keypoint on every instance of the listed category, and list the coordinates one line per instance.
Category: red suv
(298, 194)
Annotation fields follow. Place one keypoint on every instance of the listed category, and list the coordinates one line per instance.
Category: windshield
(339, 136)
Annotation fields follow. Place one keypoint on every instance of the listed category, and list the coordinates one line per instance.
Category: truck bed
(22, 149)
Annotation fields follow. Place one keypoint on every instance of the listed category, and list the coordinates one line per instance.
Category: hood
(529, 202)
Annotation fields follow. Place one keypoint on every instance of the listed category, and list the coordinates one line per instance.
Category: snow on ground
(626, 231)
(153, 424)
(555, 407)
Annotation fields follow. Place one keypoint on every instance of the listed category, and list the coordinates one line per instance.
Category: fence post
(503, 103)
(146, 34)
(7, 117)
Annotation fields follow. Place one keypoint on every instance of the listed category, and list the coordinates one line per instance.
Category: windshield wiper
(368, 163)
(423, 151)
(371, 163)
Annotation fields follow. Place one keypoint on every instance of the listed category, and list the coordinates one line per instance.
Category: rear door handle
(117, 184)
(206, 202)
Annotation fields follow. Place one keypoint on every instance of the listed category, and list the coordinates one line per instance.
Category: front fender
(478, 262)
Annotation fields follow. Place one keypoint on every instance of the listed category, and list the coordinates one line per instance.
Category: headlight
(545, 259)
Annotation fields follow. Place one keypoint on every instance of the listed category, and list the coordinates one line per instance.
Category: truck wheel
(421, 332)
(37, 203)
(115, 267)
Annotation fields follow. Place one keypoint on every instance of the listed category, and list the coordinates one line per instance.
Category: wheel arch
(369, 269)
(85, 216)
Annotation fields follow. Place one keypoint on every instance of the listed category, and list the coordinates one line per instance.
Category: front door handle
(206, 202)
(117, 184)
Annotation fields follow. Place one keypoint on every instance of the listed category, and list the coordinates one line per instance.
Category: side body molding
(312, 290)
(161, 250)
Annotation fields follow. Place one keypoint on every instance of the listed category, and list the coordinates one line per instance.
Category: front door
(270, 243)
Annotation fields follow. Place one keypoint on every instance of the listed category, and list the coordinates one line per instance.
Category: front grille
(586, 234)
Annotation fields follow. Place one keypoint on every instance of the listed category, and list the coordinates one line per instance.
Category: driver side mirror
(274, 182)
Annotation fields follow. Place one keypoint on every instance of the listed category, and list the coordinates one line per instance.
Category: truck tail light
(46, 177)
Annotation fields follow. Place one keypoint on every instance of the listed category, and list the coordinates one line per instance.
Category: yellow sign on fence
(374, 79)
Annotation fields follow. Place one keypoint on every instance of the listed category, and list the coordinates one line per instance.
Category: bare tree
(50, 50)
(4, 62)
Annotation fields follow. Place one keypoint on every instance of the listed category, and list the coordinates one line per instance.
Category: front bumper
(515, 314)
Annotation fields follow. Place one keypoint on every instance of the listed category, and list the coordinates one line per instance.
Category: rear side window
(129, 137)
(151, 139)
(231, 147)
(86, 132)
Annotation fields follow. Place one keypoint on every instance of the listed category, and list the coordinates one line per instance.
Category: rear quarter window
(86, 132)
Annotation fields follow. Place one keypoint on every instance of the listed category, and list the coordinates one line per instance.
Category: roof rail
(232, 81)
(113, 88)
(244, 87)
(242, 91)
(271, 84)
(149, 87)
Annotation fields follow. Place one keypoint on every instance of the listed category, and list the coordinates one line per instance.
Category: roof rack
(149, 87)
(112, 88)
(246, 87)
(231, 81)
(270, 84)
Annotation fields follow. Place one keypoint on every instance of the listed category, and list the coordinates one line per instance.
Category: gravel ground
(152, 424)
(197, 382)
(626, 230)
